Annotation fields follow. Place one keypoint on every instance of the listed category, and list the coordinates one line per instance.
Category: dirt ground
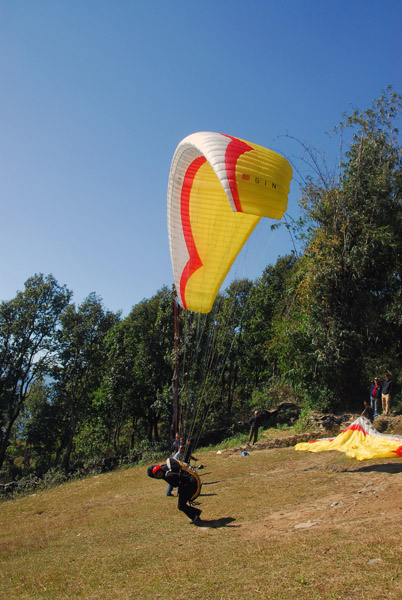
(357, 495)
(277, 523)
(352, 494)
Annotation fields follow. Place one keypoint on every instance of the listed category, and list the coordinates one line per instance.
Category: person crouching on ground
(185, 483)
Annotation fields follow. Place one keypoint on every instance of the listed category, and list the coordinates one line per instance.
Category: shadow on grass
(216, 523)
(385, 468)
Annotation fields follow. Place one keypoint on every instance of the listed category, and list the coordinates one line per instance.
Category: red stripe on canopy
(234, 150)
(194, 261)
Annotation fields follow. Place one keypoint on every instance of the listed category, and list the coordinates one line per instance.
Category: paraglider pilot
(184, 481)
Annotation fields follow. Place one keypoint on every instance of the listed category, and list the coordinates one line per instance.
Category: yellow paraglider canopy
(219, 188)
(360, 440)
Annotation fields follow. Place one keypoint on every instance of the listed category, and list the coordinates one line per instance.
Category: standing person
(175, 451)
(254, 425)
(188, 485)
(175, 444)
(180, 453)
(387, 389)
(375, 395)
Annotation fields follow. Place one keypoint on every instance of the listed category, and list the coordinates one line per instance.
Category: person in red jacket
(375, 396)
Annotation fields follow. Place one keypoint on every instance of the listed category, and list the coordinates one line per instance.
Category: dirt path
(372, 497)
(345, 494)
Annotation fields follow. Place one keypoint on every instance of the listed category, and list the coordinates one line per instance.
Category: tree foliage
(27, 327)
(315, 327)
(345, 313)
(79, 369)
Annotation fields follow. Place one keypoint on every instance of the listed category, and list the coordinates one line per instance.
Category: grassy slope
(278, 524)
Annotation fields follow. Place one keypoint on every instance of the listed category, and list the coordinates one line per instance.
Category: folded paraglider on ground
(360, 440)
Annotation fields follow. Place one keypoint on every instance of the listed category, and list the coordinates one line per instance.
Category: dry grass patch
(278, 524)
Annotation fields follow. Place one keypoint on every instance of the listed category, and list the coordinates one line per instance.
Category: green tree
(270, 296)
(80, 366)
(230, 350)
(151, 327)
(41, 430)
(114, 399)
(27, 329)
(345, 315)
(137, 386)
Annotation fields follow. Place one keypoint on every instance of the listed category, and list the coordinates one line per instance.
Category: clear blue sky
(95, 96)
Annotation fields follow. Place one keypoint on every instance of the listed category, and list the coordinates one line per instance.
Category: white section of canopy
(213, 147)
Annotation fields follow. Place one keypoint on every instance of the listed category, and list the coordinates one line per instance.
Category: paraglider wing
(360, 440)
(219, 188)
